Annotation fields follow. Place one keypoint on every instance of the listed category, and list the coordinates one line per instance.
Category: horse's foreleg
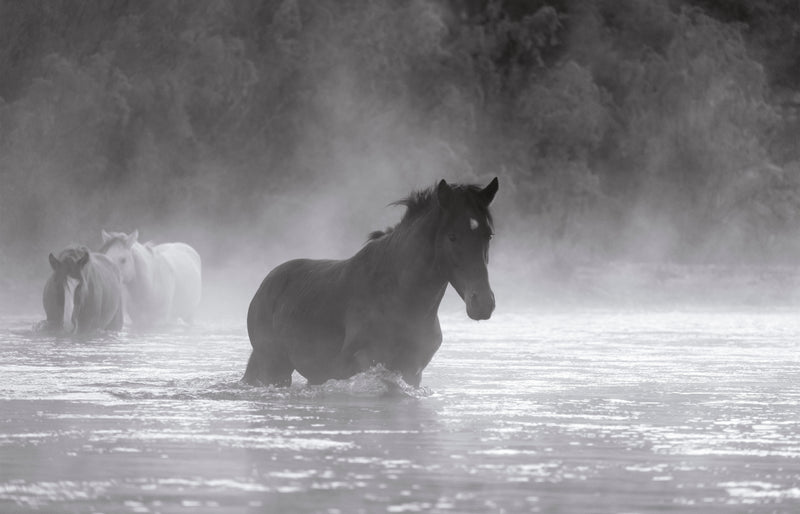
(413, 379)
(268, 370)
(354, 358)
(77, 322)
(118, 320)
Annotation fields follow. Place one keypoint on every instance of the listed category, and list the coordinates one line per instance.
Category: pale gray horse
(162, 282)
(84, 293)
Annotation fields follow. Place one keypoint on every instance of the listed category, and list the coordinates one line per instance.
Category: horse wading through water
(335, 318)
(84, 293)
(162, 282)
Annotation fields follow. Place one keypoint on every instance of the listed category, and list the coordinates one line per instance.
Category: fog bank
(640, 145)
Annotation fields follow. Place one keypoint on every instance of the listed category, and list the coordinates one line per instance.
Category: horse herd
(325, 319)
(90, 291)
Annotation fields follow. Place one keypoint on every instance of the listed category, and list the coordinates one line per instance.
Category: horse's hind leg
(269, 363)
(188, 319)
(268, 368)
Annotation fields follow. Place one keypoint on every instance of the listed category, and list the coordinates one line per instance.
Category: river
(574, 412)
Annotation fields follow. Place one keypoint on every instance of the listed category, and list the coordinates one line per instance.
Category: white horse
(84, 293)
(163, 282)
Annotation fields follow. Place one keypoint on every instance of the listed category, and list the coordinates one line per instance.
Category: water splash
(376, 382)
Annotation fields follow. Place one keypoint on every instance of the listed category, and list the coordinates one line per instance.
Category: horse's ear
(488, 192)
(106, 236)
(131, 238)
(54, 262)
(444, 193)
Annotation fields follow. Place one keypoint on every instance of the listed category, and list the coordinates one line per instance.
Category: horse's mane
(377, 234)
(116, 238)
(73, 252)
(120, 238)
(419, 203)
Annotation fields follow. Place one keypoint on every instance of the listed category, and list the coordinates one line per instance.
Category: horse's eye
(451, 236)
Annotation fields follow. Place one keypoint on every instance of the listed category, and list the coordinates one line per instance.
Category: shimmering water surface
(573, 413)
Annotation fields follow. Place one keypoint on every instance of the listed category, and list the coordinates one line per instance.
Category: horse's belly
(314, 353)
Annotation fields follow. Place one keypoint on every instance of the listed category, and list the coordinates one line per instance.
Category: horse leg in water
(413, 379)
(269, 362)
(268, 367)
(117, 321)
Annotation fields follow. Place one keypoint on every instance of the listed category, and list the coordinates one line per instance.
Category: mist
(646, 151)
(641, 354)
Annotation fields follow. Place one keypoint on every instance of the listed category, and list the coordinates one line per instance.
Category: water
(575, 413)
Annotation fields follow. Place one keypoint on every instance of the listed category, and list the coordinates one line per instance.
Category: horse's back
(186, 267)
(180, 253)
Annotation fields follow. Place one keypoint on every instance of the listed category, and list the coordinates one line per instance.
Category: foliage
(597, 114)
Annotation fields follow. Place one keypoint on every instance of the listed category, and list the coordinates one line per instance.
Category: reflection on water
(589, 412)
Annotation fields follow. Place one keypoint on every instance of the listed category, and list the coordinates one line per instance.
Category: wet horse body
(331, 319)
(162, 282)
(315, 315)
(84, 293)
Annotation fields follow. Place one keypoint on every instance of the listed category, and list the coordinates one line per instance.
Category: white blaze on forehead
(473, 223)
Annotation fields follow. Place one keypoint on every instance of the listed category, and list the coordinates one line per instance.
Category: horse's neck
(414, 267)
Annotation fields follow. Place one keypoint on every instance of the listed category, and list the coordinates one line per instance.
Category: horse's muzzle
(480, 305)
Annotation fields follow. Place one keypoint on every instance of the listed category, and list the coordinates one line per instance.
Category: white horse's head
(117, 247)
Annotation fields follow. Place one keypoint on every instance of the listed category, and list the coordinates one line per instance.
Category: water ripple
(579, 412)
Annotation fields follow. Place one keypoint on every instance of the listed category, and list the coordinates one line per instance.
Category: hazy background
(647, 150)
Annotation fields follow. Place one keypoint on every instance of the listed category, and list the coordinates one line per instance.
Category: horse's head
(67, 271)
(462, 243)
(69, 263)
(117, 247)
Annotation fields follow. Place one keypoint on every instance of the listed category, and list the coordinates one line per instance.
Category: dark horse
(332, 319)
(84, 293)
